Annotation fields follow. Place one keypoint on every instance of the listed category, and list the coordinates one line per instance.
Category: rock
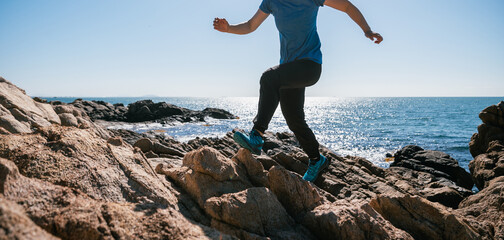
(255, 210)
(100, 110)
(344, 220)
(144, 144)
(298, 196)
(19, 113)
(163, 149)
(206, 173)
(116, 141)
(146, 110)
(486, 167)
(81, 159)
(70, 214)
(436, 175)
(487, 146)
(485, 210)
(255, 169)
(423, 219)
(218, 113)
(68, 119)
(14, 223)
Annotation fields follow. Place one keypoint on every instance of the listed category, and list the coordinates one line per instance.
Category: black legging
(285, 84)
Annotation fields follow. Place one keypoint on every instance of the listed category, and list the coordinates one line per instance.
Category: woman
(300, 67)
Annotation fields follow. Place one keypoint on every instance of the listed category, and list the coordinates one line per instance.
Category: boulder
(255, 169)
(423, 219)
(487, 146)
(350, 220)
(206, 173)
(19, 113)
(484, 210)
(69, 214)
(100, 110)
(436, 175)
(147, 110)
(255, 210)
(218, 113)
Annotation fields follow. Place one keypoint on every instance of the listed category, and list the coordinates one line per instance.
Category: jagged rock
(486, 167)
(436, 175)
(255, 169)
(423, 219)
(146, 110)
(19, 113)
(218, 113)
(70, 214)
(81, 159)
(14, 224)
(255, 210)
(297, 195)
(485, 210)
(100, 110)
(345, 220)
(206, 173)
(487, 146)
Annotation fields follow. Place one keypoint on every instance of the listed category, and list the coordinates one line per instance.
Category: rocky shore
(62, 176)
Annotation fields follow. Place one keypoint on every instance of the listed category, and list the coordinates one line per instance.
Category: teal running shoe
(253, 142)
(314, 169)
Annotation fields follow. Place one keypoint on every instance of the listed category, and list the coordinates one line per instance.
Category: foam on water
(365, 127)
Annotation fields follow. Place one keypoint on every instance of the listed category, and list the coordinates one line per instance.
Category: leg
(292, 104)
(297, 74)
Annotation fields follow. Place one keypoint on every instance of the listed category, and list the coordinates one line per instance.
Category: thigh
(298, 74)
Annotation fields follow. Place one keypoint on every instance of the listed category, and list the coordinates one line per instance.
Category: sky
(111, 48)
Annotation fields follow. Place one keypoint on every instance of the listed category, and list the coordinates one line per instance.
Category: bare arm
(221, 24)
(354, 13)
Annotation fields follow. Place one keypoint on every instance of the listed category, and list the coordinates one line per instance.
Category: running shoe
(253, 142)
(314, 168)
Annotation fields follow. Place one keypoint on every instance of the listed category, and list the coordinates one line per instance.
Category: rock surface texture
(66, 177)
(487, 146)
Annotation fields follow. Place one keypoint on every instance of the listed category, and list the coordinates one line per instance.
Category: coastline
(62, 175)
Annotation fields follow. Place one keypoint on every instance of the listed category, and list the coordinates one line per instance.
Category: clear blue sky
(169, 48)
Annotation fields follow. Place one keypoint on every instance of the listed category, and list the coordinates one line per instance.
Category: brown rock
(486, 167)
(116, 141)
(14, 223)
(254, 210)
(81, 159)
(69, 214)
(485, 210)
(356, 220)
(144, 144)
(255, 169)
(68, 119)
(206, 173)
(296, 195)
(18, 109)
(423, 219)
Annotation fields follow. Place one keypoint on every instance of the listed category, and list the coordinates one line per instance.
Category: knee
(268, 77)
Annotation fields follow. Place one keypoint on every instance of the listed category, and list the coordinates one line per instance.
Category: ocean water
(365, 127)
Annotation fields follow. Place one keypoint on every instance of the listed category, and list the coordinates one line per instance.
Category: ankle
(260, 133)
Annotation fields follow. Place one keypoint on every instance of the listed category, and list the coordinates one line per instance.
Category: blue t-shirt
(296, 20)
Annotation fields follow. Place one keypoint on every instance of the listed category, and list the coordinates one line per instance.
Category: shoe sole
(243, 143)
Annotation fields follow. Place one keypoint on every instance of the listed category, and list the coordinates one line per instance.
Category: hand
(221, 24)
(372, 35)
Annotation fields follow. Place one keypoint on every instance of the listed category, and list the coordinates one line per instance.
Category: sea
(365, 127)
